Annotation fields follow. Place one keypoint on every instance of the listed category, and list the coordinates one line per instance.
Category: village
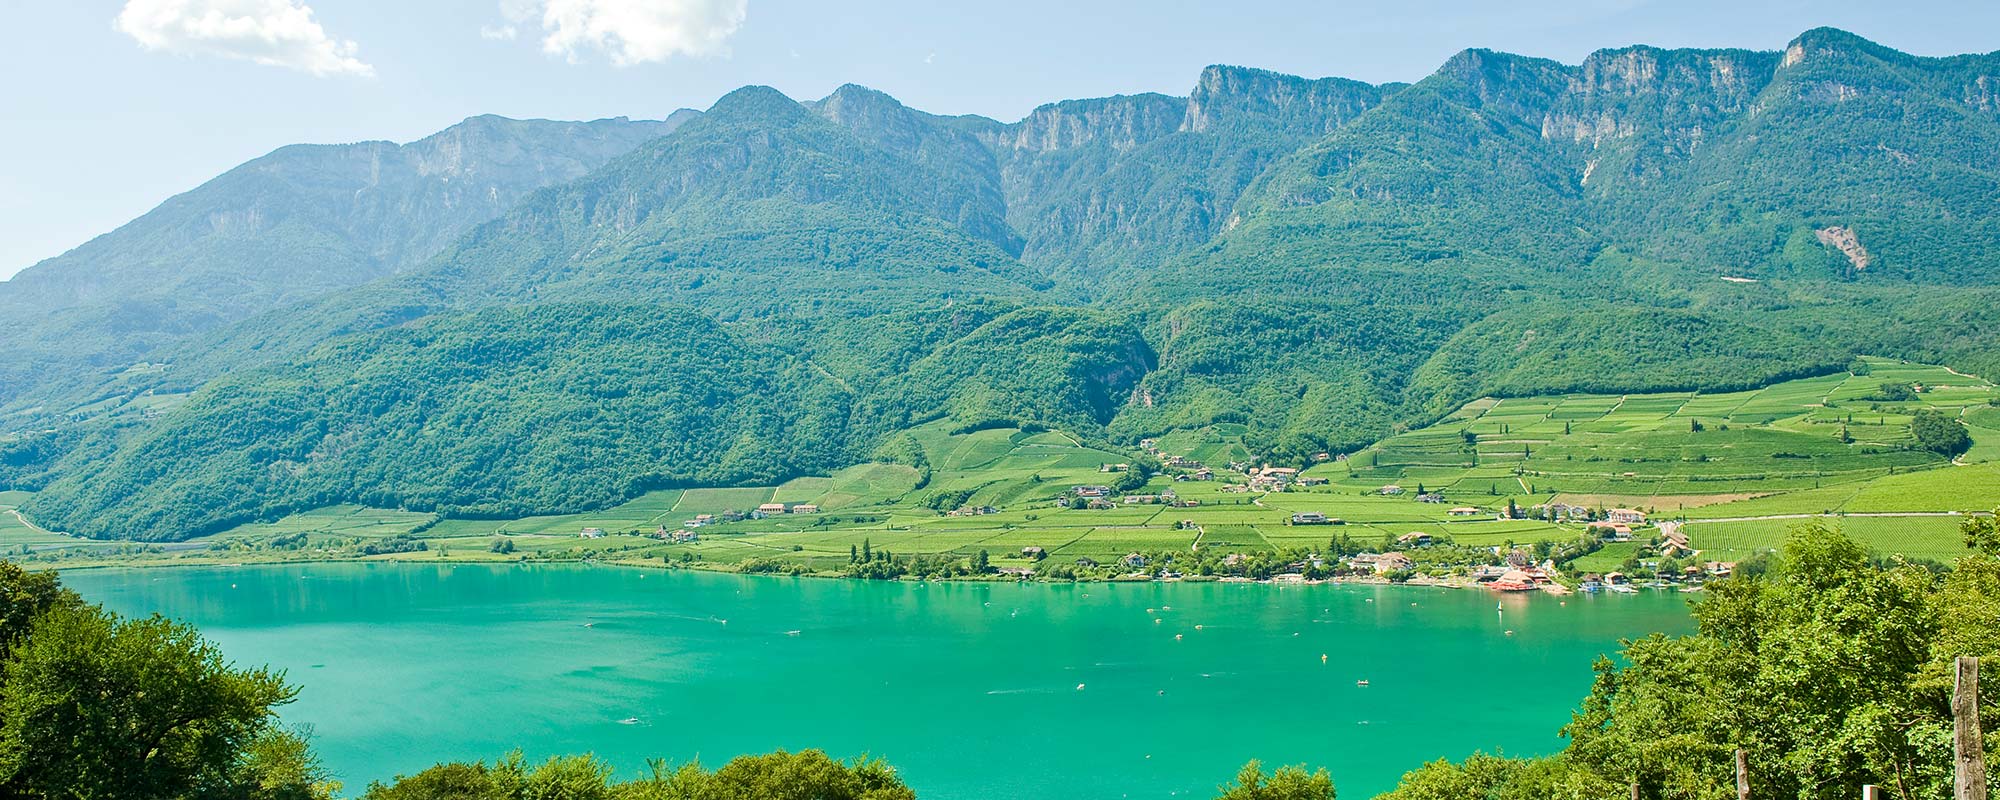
(1662, 557)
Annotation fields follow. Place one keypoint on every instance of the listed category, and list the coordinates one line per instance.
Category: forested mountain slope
(299, 223)
(778, 288)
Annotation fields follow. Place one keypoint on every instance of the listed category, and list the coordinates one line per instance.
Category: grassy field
(1740, 467)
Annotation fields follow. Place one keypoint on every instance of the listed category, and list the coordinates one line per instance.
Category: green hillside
(1762, 461)
(778, 289)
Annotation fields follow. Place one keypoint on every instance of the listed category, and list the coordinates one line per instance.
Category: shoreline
(1456, 584)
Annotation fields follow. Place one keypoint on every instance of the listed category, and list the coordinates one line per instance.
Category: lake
(970, 690)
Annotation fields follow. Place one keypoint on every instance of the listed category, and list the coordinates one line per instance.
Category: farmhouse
(1391, 489)
(1463, 511)
(591, 533)
(805, 508)
(1113, 467)
(1133, 560)
(1310, 518)
(1674, 542)
(1626, 515)
(1719, 569)
(771, 508)
(1415, 539)
(1033, 552)
(1312, 480)
(1615, 531)
(1432, 497)
(1088, 492)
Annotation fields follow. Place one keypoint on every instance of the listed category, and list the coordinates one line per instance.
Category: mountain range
(515, 317)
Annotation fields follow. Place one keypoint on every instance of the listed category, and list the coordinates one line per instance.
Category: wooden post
(1970, 768)
(1742, 775)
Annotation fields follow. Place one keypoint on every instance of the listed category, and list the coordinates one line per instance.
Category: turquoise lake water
(970, 690)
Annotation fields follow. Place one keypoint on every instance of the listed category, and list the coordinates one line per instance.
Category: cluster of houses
(1099, 497)
(764, 511)
(1566, 512)
(1188, 468)
(1691, 575)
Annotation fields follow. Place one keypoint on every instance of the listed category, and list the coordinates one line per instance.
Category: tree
(806, 774)
(1982, 534)
(982, 563)
(1287, 783)
(24, 596)
(1939, 432)
(92, 705)
(1892, 392)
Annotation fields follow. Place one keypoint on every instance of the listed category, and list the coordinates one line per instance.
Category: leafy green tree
(1939, 432)
(1982, 533)
(24, 596)
(806, 775)
(95, 706)
(1287, 783)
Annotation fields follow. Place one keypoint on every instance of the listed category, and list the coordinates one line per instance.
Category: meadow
(1739, 469)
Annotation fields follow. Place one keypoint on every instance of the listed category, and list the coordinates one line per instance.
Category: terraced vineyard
(1739, 468)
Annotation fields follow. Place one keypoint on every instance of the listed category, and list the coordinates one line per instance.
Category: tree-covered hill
(779, 287)
(299, 223)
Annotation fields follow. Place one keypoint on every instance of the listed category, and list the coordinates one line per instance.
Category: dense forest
(772, 288)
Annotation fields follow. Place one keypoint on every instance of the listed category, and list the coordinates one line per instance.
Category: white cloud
(278, 33)
(631, 31)
(498, 33)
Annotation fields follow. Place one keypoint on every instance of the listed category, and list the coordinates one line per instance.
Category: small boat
(1362, 682)
(791, 633)
(629, 721)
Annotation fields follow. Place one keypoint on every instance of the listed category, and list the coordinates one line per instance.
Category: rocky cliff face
(1119, 185)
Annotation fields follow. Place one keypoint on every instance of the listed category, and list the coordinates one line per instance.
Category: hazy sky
(108, 107)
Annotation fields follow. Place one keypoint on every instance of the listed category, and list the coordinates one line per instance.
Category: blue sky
(108, 107)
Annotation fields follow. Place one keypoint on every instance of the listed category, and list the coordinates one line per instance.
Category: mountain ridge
(1322, 261)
